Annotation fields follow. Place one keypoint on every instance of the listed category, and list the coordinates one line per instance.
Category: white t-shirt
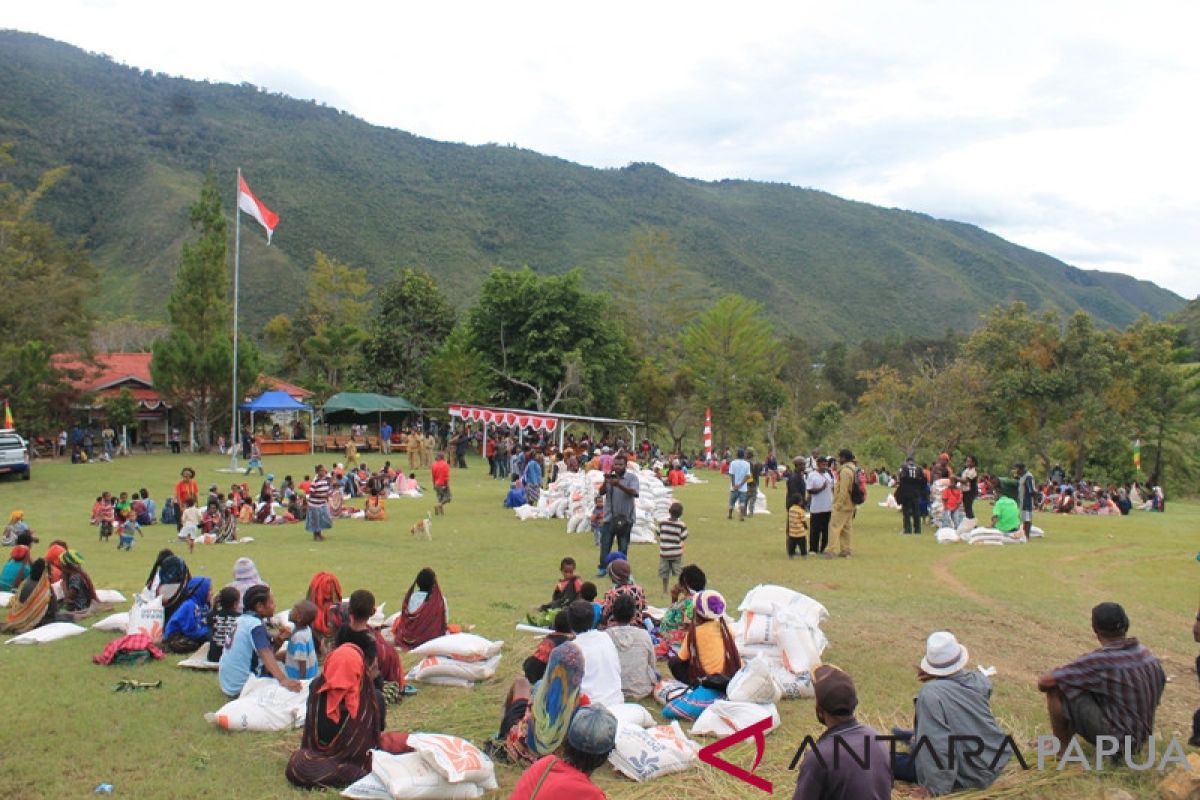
(822, 501)
(601, 668)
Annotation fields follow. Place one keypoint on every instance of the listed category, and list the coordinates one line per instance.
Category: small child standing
(597, 519)
(301, 663)
(255, 462)
(108, 517)
(221, 622)
(952, 502)
(128, 529)
(796, 528)
(672, 532)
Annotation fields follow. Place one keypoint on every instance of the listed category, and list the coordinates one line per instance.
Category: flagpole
(237, 259)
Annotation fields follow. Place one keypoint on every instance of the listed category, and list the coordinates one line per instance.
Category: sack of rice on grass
(647, 753)
(263, 705)
(463, 646)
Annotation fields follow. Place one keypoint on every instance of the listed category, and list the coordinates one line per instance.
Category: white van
(14, 454)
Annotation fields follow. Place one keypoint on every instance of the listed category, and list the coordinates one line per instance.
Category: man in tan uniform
(842, 521)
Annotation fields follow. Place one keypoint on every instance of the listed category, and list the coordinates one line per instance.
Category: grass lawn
(1020, 609)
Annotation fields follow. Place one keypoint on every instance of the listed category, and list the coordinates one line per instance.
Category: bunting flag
(1137, 454)
(8, 420)
(708, 434)
(256, 208)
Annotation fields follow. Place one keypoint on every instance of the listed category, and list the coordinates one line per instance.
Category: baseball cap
(834, 690)
(593, 730)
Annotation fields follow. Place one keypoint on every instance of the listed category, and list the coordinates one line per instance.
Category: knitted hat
(709, 604)
(71, 558)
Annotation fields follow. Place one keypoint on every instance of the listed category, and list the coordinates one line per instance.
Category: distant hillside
(139, 143)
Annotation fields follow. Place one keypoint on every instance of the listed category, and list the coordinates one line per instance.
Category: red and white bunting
(493, 416)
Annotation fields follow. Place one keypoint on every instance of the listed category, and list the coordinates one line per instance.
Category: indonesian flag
(254, 207)
(8, 419)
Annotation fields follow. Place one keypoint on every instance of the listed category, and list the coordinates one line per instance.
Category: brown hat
(834, 691)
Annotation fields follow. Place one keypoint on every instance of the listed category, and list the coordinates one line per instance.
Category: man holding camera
(620, 491)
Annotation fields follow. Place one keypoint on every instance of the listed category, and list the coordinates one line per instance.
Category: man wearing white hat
(953, 702)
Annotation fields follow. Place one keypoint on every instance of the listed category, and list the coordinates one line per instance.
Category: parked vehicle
(14, 454)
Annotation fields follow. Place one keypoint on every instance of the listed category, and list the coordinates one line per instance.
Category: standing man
(909, 488)
(756, 469)
(819, 485)
(441, 483)
(739, 474)
(318, 518)
(1026, 494)
(620, 491)
(797, 480)
(841, 523)
(385, 438)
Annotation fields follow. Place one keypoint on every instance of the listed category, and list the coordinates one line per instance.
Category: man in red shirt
(590, 738)
(441, 483)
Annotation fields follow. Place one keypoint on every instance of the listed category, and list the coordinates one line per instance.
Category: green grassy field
(1021, 609)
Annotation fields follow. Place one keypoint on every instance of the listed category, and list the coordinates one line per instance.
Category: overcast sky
(1071, 128)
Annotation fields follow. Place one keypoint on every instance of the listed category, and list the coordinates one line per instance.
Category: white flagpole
(237, 259)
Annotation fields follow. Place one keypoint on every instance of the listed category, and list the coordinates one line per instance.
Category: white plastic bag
(754, 683)
(947, 536)
(632, 714)
(758, 628)
(113, 622)
(146, 617)
(727, 717)
(646, 753)
(455, 759)
(109, 596)
(368, 788)
(263, 705)
(447, 667)
(463, 646)
(411, 777)
(800, 644)
(48, 633)
(768, 599)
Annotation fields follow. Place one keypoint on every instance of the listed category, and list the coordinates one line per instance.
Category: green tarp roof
(365, 403)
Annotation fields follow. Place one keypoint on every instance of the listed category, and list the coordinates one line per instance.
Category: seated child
(535, 666)
(634, 648)
(301, 661)
(588, 592)
(252, 652)
(565, 592)
(222, 621)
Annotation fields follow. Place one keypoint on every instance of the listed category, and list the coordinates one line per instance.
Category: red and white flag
(256, 208)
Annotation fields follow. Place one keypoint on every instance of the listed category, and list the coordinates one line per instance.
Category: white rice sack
(391, 620)
(763, 598)
(646, 753)
(727, 717)
(946, 536)
(377, 619)
(368, 788)
(758, 628)
(110, 596)
(632, 714)
(755, 650)
(463, 646)
(455, 759)
(1036, 533)
(760, 504)
(754, 683)
(199, 660)
(263, 705)
(526, 512)
(448, 667)
(967, 525)
(996, 538)
(113, 622)
(794, 686)
(5, 597)
(410, 776)
(48, 633)
(800, 644)
(641, 534)
(146, 617)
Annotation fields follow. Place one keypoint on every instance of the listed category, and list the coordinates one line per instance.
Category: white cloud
(1067, 127)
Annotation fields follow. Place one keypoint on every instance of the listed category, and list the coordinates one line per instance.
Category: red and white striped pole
(708, 434)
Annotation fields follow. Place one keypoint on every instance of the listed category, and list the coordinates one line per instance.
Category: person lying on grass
(252, 652)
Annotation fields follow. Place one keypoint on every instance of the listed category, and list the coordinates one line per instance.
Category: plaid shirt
(1127, 681)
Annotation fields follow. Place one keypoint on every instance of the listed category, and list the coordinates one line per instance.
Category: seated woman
(673, 627)
(33, 604)
(15, 527)
(707, 659)
(516, 493)
(54, 555)
(325, 592)
(634, 648)
(245, 575)
(374, 508)
(79, 593)
(229, 524)
(16, 569)
(619, 572)
(424, 615)
(213, 518)
(1066, 501)
(175, 584)
(535, 718)
(187, 628)
(343, 724)
(535, 665)
(676, 476)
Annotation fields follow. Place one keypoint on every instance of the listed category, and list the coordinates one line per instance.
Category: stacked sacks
(457, 659)
(782, 627)
(441, 767)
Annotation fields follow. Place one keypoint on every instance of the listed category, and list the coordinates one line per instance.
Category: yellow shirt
(797, 525)
(711, 647)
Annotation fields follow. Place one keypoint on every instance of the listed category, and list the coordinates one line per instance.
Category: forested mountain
(138, 145)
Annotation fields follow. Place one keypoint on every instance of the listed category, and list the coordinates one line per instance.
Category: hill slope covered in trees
(138, 145)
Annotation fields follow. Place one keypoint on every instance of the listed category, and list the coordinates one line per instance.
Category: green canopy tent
(362, 407)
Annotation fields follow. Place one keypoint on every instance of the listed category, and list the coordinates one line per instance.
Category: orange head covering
(324, 591)
(343, 674)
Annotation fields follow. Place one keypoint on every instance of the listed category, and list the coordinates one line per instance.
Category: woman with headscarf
(342, 725)
(673, 627)
(187, 628)
(33, 604)
(535, 719)
(171, 580)
(16, 569)
(620, 574)
(708, 654)
(325, 592)
(54, 554)
(424, 615)
(16, 526)
(245, 575)
(79, 593)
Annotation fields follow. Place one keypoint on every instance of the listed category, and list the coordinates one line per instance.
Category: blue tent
(275, 401)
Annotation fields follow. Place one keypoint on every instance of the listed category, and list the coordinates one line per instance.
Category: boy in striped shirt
(671, 535)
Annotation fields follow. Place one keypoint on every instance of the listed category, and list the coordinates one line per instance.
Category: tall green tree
(410, 325)
(548, 343)
(656, 301)
(455, 373)
(192, 366)
(725, 349)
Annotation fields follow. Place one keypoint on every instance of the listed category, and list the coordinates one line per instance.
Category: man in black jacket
(910, 485)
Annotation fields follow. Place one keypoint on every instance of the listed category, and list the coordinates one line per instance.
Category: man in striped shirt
(671, 534)
(1112, 691)
(318, 518)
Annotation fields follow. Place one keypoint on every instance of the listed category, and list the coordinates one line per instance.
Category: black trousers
(969, 504)
(818, 530)
(910, 508)
(795, 543)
